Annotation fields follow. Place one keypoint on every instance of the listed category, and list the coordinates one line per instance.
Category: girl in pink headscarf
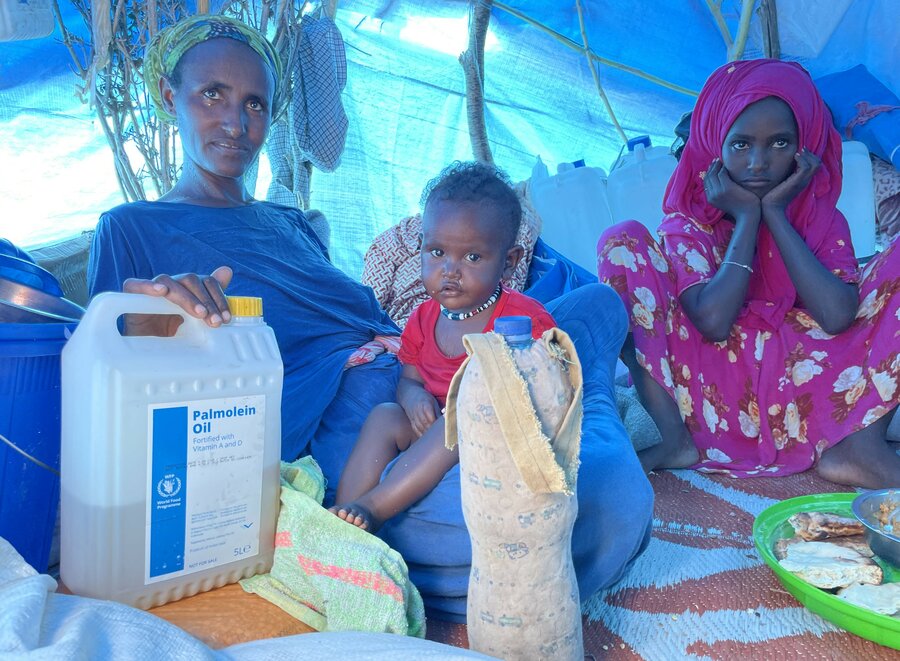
(757, 344)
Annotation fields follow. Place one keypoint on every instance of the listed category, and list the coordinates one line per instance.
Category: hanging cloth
(314, 129)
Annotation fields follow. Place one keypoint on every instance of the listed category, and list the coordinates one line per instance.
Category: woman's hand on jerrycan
(200, 296)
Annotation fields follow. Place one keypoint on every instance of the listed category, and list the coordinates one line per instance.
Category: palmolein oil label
(204, 482)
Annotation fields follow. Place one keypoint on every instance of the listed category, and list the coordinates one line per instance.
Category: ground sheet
(701, 590)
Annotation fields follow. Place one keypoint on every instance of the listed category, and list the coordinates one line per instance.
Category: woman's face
(464, 254)
(223, 104)
(760, 146)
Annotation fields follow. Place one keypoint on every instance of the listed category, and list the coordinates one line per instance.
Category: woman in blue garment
(220, 82)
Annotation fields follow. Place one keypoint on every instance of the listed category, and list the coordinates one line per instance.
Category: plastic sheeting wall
(409, 108)
(405, 100)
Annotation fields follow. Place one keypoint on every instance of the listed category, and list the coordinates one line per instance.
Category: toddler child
(469, 224)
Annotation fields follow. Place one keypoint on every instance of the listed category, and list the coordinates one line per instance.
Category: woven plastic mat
(700, 590)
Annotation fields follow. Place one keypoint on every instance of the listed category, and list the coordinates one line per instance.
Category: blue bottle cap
(640, 140)
(513, 326)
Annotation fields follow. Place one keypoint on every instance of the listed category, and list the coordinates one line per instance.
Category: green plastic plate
(772, 525)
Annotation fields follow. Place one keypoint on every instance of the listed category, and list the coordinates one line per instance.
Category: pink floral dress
(763, 401)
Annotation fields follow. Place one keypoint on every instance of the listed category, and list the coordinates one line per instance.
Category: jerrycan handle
(633, 146)
(105, 309)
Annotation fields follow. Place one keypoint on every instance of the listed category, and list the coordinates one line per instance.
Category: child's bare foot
(355, 514)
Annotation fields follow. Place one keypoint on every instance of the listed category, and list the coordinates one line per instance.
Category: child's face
(464, 254)
(760, 146)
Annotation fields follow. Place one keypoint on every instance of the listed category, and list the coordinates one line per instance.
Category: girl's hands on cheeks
(779, 197)
(202, 297)
(723, 193)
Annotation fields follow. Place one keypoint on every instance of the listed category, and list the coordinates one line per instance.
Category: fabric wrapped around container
(615, 499)
(517, 416)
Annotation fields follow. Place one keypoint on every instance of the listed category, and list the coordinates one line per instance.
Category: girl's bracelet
(743, 266)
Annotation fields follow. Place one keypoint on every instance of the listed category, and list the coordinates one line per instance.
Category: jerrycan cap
(245, 306)
(513, 328)
(639, 140)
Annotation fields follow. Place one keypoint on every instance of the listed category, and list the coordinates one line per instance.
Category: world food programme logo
(169, 486)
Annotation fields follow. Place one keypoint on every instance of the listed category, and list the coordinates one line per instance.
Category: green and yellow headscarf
(169, 46)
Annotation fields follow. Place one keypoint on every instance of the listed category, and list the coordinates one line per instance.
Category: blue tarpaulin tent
(405, 98)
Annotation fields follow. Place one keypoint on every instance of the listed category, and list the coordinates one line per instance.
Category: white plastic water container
(573, 210)
(170, 453)
(857, 200)
(637, 183)
(26, 19)
(520, 463)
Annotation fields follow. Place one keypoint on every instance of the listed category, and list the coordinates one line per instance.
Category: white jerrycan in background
(170, 453)
(637, 183)
(573, 209)
(857, 200)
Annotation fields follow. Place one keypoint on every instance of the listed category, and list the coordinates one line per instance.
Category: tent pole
(593, 67)
(472, 61)
(715, 8)
(768, 16)
(734, 47)
(565, 41)
(736, 52)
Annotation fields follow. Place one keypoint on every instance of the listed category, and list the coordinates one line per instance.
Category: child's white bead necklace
(459, 316)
